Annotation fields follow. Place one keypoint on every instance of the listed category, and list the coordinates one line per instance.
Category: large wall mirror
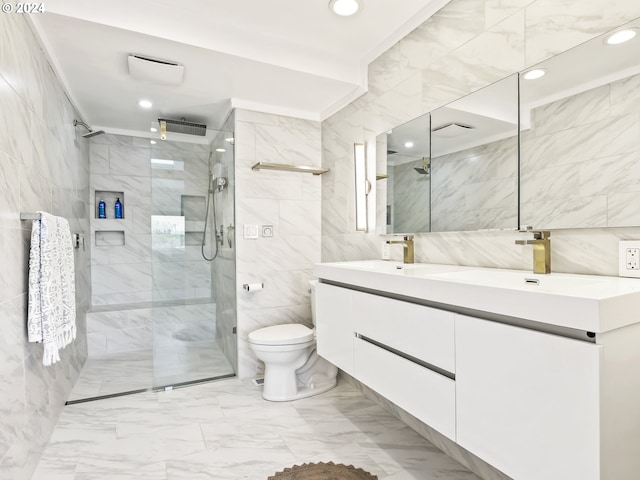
(580, 145)
(461, 177)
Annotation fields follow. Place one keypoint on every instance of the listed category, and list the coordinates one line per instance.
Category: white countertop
(585, 302)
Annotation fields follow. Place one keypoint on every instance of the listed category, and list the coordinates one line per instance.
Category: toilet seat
(288, 334)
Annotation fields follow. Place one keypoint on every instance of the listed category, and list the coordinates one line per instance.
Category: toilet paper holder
(252, 287)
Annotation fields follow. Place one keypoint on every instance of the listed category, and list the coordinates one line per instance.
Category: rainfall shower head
(91, 132)
(182, 126)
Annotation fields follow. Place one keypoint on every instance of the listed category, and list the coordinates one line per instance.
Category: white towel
(52, 288)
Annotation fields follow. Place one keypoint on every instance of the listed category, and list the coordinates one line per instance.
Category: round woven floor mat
(323, 471)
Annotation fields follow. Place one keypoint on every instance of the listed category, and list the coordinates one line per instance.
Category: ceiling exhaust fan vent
(155, 70)
(451, 130)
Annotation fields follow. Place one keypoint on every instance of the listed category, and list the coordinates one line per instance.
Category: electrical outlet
(386, 251)
(629, 258)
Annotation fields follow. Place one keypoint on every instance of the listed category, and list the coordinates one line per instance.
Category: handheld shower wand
(217, 183)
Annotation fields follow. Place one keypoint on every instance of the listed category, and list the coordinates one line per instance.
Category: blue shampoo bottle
(118, 208)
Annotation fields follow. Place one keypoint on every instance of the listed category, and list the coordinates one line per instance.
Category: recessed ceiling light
(344, 8)
(220, 150)
(621, 36)
(153, 129)
(229, 139)
(145, 104)
(152, 142)
(408, 144)
(534, 74)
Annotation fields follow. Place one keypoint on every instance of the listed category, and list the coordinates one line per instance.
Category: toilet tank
(312, 292)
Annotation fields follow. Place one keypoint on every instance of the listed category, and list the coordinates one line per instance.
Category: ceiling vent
(181, 126)
(451, 130)
(155, 70)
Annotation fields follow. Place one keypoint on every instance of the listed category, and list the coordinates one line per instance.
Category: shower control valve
(221, 182)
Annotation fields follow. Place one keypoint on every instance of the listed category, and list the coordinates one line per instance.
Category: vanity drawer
(423, 393)
(421, 332)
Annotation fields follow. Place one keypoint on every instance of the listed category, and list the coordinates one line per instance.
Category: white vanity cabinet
(334, 325)
(528, 402)
(540, 380)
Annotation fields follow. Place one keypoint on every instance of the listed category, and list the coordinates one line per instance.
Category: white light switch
(629, 258)
(250, 230)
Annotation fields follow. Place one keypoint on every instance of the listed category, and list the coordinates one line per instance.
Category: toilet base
(316, 376)
(303, 392)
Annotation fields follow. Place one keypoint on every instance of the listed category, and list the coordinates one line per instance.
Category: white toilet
(292, 368)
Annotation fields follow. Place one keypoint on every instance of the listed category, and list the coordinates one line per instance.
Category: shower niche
(109, 238)
(110, 198)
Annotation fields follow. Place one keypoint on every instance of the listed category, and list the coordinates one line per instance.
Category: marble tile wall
(138, 272)
(43, 166)
(121, 274)
(289, 201)
(467, 45)
(580, 159)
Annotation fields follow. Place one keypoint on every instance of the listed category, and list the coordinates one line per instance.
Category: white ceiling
(289, 57)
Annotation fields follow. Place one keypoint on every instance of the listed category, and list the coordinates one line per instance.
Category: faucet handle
(541, 234)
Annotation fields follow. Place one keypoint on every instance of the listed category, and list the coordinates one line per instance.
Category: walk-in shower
(162, 315)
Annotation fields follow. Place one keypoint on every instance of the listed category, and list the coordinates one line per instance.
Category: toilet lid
(289, 334)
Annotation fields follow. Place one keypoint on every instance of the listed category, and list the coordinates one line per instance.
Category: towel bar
(78, 238)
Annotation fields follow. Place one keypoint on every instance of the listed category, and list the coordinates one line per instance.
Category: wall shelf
(289, 168)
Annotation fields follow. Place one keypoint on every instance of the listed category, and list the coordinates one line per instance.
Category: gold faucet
(407, 242)
(541, 251)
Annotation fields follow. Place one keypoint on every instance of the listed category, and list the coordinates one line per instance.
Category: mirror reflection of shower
(218, 180)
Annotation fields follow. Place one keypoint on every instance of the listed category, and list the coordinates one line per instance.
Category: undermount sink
(521, 280)
(386, 266)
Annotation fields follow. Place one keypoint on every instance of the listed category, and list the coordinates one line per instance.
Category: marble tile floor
(224, 430)
(140, 369)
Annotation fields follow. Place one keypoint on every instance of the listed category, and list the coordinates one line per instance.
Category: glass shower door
(184, 291)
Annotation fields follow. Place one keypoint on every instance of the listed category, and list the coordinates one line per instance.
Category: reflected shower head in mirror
(426, 167)
(91, 132)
